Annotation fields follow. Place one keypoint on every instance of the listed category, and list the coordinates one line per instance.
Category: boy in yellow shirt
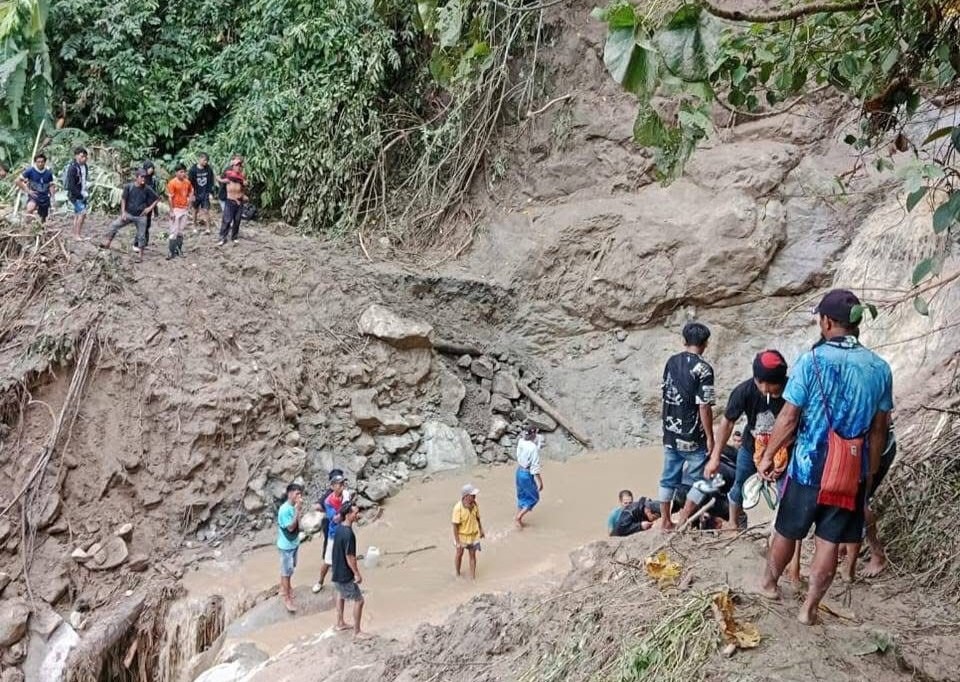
(467, 529)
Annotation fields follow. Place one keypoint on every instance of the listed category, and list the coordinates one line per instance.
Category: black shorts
(882, 470)
(202, 202)
(799, 511)
(43, 210)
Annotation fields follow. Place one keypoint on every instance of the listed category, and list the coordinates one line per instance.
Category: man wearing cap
(836, 411)
(761, 399)
(467, 529)
(136, 203)
(325, 523)
(288, 541)
(331, 508)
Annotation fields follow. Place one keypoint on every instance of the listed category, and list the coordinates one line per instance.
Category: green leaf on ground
(923, 268)
(947, 213)
(921, 306)
(937, 134)
(914, 198)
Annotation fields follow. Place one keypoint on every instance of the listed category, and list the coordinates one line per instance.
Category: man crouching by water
(288, 541)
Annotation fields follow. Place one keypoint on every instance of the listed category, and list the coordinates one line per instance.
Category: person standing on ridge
(180, 193)
(346, 571)
(233, 195)
(202, 178)
(467, 529)
(151, 180)
(288, 541)
(136, 203)
(37, 183)
(688, 397)
(528, 479)
(77, 186)
(836, 412)
(760, 399)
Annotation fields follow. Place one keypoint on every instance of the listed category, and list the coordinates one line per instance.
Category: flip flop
(751, 491)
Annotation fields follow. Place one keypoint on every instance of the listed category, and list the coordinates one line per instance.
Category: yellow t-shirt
(468, 521)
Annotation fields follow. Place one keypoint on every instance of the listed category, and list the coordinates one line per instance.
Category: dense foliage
(899, 59)
(345, 109)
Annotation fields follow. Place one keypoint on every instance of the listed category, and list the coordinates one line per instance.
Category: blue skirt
(527, 493)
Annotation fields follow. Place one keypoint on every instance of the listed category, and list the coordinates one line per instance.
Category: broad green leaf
(921, 306)
(914, 197)
(923, 268)
(649, 129)
(937, 134)
(631, 65)
(689, 43)
(946, 213)
(617, 16)
(738, 74)
(450, 23)
(873, 310)
(695, 118)
(856, 314)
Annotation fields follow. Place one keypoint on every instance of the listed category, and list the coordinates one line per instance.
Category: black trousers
(230, 225)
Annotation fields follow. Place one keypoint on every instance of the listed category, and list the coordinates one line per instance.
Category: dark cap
(336, 472)
(838, 304)
(141, 173)
(770, 366)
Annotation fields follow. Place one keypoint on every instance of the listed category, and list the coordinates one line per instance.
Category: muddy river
(404, 591)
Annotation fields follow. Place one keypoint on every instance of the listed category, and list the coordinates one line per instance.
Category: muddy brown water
(405, 591)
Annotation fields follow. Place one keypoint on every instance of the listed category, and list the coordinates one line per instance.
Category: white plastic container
(371, 558)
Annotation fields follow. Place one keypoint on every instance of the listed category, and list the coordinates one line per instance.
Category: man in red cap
(836, 413)
(760, 399)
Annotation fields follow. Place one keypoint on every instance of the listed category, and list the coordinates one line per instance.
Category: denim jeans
(680, 468)
(141, 223)
(745, 469)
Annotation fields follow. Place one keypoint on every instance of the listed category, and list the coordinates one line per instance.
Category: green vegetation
(347, 110)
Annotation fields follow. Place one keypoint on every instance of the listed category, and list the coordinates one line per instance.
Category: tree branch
(787, 15)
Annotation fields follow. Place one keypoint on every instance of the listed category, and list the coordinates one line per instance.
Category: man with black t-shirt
(202, 178)
(688, 395)
(136, 203)
(346, 571)
(760, 399)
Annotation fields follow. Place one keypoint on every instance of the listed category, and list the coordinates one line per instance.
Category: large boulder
(14, 614)
(363, 407)
(447, 447)
(379, 489)
(397, 331)
(396, 444)
(504, 384)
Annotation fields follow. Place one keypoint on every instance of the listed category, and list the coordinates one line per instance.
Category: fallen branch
(531, 114)
(787, 15)
(408, 552)
(86, 658)
(540, 402)
(686, 524)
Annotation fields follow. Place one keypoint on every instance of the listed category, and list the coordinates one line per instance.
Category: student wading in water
(528, 479)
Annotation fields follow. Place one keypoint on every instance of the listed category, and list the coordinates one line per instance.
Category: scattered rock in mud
(498, 427)
(393, 423)
(464, 362)
(446, 447)
(399, 332)
(398, 444)
(543, 422)
(5, 529)
(138, 563)
(5, 579)
(55, 586)
(483, 367)
(124, 531)
(252, 502)
(500, 404)
(365, 444)
(44, 620)
(363, 407)
(504, 384)
(108, 555)
(14, 614)
(380, 489)
(310, 522)
(50, 511)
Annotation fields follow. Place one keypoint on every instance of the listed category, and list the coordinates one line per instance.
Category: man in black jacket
(77, 189)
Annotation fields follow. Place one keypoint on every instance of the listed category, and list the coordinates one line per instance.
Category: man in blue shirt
(37, 183)
(838, 385)
(288, 541)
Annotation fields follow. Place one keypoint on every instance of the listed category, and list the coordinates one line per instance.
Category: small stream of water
(403, 592)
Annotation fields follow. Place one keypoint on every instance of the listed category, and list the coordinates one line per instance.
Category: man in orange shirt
(180, 193)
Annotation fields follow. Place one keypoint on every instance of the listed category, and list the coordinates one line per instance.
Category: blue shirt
(856, 384)
(285, 517)
(39, 181)
(331, 510)
(614, 518)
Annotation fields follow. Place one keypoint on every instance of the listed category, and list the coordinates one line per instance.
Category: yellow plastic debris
(662, 569)
(742, 635)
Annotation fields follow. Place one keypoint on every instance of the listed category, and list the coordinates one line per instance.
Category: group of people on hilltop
(188, 190)
(816, 445)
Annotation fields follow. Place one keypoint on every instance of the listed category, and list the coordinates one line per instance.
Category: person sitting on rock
(631, 517)
(467, 529)
(332, 502)
(528, 479)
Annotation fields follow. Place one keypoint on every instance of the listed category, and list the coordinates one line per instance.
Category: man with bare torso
(234, 183)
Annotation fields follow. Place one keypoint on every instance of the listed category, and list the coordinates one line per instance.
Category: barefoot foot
(875, 566)
(342, 627)
(806, 616)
